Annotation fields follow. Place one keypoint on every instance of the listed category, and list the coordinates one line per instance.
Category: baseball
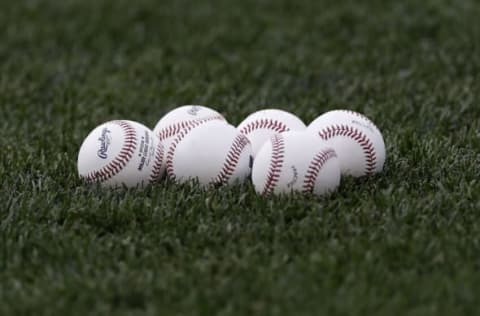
(295, 161)
(120, 153)
(179, 118)
(357, 141)
(261, 125)
(176, 120)
(211, 152)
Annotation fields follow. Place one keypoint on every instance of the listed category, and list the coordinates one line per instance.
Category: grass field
(404, 242)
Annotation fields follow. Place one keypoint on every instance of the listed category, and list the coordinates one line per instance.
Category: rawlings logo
(193, 110)
(294, 177)
(105, 141)
(365, 125)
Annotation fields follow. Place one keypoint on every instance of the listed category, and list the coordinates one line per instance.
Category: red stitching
(119, 162)
(172, 130)
(270, 124)
(359, 137)
(157, 164)
(173, 146)
(276, 163)
(175, 128)
(314, 168)
(233, 156)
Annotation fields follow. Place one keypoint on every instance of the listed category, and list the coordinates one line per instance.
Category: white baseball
(261, 125)
(211, 152)
(295, 161)
(358, 142)
(179, 118)
(120, 153)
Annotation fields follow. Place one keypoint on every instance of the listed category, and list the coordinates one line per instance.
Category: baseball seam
(315, 167)
(157, 164)
(173, 146)
(233, 156)
(175, 128)
(121, 160)
(359, 137)
(273, 125)
(276, 163)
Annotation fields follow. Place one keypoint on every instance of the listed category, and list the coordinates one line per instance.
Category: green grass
(404, 242)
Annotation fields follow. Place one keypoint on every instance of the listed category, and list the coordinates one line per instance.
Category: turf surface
(404, 242)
